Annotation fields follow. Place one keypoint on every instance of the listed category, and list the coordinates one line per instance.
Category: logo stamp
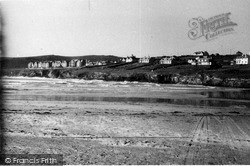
(210, 28)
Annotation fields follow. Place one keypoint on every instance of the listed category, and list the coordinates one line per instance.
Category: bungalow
(123, 59)
(101, 63)
(144, 59)
(167, 60)
(242, 60)
(30, 65)
(43, 65)
(199, 53)
(132, 58)
(65, 64)
(79, 63)
(56, 64)
(47, 65)
(192, 61)
(72, 63)
(203, 60)
(35, 64)
(88, 63)
(129, 59)
(40, 64)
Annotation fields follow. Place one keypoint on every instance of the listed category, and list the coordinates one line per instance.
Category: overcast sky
(119, 27)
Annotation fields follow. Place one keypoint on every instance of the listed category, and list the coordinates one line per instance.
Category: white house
(79, 63)
(203, 60)
(145, 59)
(72, 63)
(30, 65)
(44, 64)
(192, 61)
(40, 65)
(56, 64)
(167, 60)
(35, 64)
(89, 63)
(242, 60)
(129, 59)
(65, 64)
(123, 60)
(199, 53)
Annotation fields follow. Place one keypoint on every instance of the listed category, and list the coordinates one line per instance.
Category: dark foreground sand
(128, 133)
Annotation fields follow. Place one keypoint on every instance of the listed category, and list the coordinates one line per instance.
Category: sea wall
(192, 79)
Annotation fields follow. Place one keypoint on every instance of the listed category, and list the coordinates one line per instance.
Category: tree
(132, 56)
(205, 53)
(239, 53)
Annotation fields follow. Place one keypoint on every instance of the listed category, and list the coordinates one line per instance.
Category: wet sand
(126, 132)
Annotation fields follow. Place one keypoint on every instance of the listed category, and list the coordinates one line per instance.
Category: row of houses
(202, 59)
(96, 63)
(130, 59)
(66, 64)
(197, 59)
(57, 64)
(148, 59)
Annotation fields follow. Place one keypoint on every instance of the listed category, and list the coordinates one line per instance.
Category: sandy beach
(125, 123)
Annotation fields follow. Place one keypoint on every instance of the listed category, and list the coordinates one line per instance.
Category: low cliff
(195, 77)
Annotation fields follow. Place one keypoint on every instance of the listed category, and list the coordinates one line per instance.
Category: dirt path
(230, 134)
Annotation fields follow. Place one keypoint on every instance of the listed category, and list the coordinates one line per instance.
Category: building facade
(167, 60)
(56, 64)
(144, 59)
(242, 60)
(203, 60)
(65, 64)
(30, 65)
